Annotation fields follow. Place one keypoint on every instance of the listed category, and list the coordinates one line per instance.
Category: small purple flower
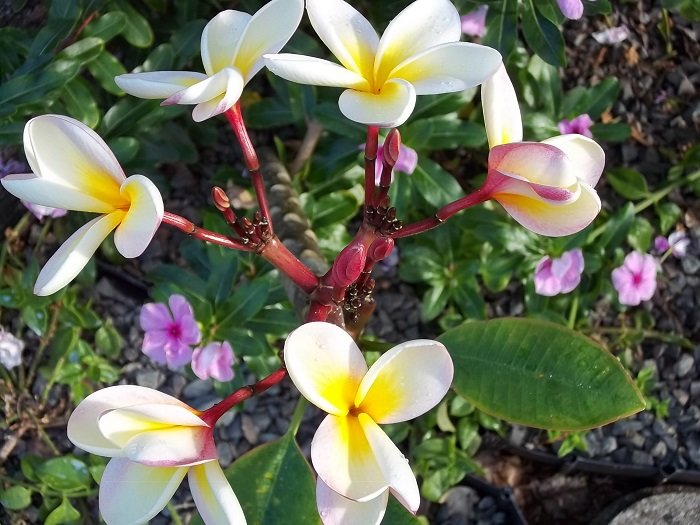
(10, 350)
(213, 360)
(40, 211)
(571, 9)
(635, 280)
(581, 125)
(559, 275)
(677, 242)
(406, 163)
(169, 333)
(474, 22)
(661, 244)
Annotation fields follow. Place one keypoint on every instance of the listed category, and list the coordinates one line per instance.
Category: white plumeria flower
(547, 186)
(74, 169)
(418, 54)
(233, 43)
(356, 462)
(154, 440)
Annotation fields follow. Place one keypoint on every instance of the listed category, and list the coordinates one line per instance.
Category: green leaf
(84, 50)
(247, 301)
(273, 321)
(104, 68)
(137, 31)
(65, 473)
(434, 301)
(434, 184)
(124, 148)
(617, 227)
(29, 88)
(121, 117)
(445, 132)
(539, 374)
(639, 236)
(269, 113)
(80, 103)
(628, 182)
(36, 319)
(64, 513)
(602, 96)
(336, 207)
(543, 36)
(107, 26)
(613, 132)
(396, 514)
(669, 213)
(501, 26)
(330, 117)
(274, 485)
(107, 340)
(16, 498)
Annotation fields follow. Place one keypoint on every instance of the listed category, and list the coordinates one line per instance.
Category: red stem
(371, 147)
(203, 234)
(279, 256)
(235, 118)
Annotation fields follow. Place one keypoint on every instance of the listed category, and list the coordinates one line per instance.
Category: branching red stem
(203, 234)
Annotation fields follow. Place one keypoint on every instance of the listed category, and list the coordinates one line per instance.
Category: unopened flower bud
(392, 147)
(221, 200)
(381, 248)
(349, 265)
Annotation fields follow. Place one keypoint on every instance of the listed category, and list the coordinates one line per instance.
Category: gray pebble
(197, 388)
(684, 365)
(150, 378)
(642, 458)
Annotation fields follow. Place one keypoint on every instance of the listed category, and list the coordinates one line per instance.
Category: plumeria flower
(635, 280)
(154, 440)
(74, 169)
(232, 46)
(356, 462)
(213, 360)
(554, 276)
(418, 54)
(546, 186)
(169, 333)
(677, 242)
(40, 212)
(581, 125)
(10, 349)
(571, 9)
(474, 22)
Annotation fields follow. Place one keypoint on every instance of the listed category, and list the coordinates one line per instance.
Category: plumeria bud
(349, 264)
(221, 200)
(392, 147)
(381, 248)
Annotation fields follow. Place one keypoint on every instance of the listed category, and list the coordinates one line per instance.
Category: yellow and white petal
(267, 32)
(83, 428)
(501, 110)
(586, 157)
(393, 463)
(348, 34)
(228, 79)
(549, 219)
(157, 84)
(406, 381)
(133, 493)
(220, 37)
(344, 459)
(325, 365)
(454, 66)
(314, 71)
(213, 495)
(74, 253)
(54, 193)
(141, 221)
(335, 509)
(388, 109)
(64, 149)
(421, 25)
(534, 162)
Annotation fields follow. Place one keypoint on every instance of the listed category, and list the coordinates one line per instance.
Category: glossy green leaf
(613, 132)
(434, 301)
(269, 113)
(501, 26)
(64, 513)
(396, 514)
(124, 148)
(434, 184)
(539, 374)
(602, 96)
(330, 117)
(80, 103)
(29, 88)
(616, 228)
(543, 36)
(121, 117)
(104, 68)
(36, 319)
(107, 26)
(640, 234)
(84, 50)
(628, 182)
(16, 498)
(445, 132)
(669, 213)
(64, 473)
(137, 31)
(333, 208)
(107, 340)
(247, 300)
(275, 485)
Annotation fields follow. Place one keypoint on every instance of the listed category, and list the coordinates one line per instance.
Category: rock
(659, 451)
(197, 388)
(250, 431)
(150, 378)
(690, 264)
(225, 452)
(642, 458)
(682, 508)
(684, 365)
(681, 396)
(457, 508)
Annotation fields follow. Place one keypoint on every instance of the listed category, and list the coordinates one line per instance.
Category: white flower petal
(314, 71)
(157, 84)
(53, 193)
(448, 67)
(267, 32)
(141, 221)
(325, 365)
(132, 493)
(225, 81)
(535, 162)
(586, 157)
(393, 463)
(421, 25)
(406, 381)
(501, 111)
(218, 105)
(389, 109)
(348, 34)
(220, 38)
(345, 460)
(214, 497)
(64, 149)
(172, 447)
(335, 509)
(74, 253)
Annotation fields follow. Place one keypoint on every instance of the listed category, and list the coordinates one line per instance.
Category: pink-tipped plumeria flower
(169, 333)
(74, 169)
(546, 186)
(560, 274)
(474, 22)
(677, 242)
(581, 125)
(154, 440)
(213, 360)
(418, 54)
(635, 280)
(232, 45)
(356, 462)
(571, 9)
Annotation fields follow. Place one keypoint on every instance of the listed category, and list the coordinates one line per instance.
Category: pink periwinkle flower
(677, 242)
(581, 125)
(635, 280)
(213, 360)
(169, 333)
(40, 211)
(559, 275)
(474, 22)
(571, 9)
